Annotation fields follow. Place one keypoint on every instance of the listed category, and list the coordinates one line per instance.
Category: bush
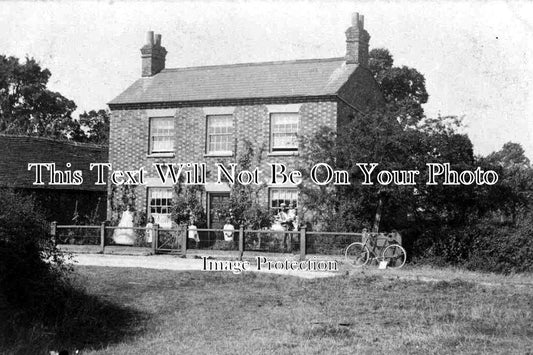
(41, 308)
(504, 249)
(32, 269)
(29, 259)
(483, 246)
(187, 204)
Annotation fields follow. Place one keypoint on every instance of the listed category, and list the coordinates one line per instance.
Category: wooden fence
(177, 243)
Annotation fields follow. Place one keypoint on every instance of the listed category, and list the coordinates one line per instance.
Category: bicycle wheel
(357, 254)
(395, 256)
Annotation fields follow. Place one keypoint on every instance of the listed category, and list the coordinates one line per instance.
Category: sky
(476, 56)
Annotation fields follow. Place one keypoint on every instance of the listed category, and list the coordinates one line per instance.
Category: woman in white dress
(125, 236)
(228, 231)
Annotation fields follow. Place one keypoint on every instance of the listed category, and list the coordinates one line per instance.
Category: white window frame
(210, 134)
(287, 192)
(169, 133)
(165, 193)
(275, 130)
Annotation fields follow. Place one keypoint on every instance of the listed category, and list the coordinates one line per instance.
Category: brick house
(58, 202)
(203, 114)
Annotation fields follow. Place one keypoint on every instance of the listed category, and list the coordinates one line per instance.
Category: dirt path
(418, 273)
(169, 262)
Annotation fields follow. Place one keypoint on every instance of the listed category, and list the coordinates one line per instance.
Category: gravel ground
(170, 262)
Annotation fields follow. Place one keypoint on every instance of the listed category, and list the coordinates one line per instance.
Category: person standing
(285, 221)
(292, 217)
(193, 232)
(150, 230)
(228, 230)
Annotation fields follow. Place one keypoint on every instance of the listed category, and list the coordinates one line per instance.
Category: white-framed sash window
(161, 134)
(219, 134)
(284, 131)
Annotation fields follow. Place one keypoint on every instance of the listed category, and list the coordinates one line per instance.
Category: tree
(27, 107)
(450, 222)
(375, 138)
(403, 88)
(245, 207)
(511, 154)
(93, 127)
(397, 137)
(515, 193)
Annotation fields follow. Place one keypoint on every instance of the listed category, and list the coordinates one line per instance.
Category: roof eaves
(218, 102)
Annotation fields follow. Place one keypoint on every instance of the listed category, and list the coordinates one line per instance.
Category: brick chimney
(357, 41)
(153, 55)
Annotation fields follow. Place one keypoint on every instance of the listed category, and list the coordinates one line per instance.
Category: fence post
(102, 236)
(241, 241)
(183, 235)
(53, 232)
(302, 243)
(155, 237)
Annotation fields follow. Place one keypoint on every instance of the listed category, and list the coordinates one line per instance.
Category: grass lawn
(208, 313)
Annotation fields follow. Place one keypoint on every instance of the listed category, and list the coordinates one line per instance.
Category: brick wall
(129, 134)
(129, 137)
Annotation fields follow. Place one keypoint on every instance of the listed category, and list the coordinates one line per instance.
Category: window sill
(218, 154)
(281, 153)
(160, 155)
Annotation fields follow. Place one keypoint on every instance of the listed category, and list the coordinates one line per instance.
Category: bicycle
(358, 254)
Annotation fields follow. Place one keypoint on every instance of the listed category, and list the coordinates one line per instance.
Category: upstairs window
(161, 134)
(219, 134)
(284, 131)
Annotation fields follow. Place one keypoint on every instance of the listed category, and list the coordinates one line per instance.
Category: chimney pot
(150, 38)
(357, 42)
(355, 19)
(152, 55)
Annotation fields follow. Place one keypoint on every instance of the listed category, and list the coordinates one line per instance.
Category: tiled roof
(317, 77)
(17, 151)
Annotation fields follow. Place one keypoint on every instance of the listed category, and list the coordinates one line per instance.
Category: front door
(217, 212)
